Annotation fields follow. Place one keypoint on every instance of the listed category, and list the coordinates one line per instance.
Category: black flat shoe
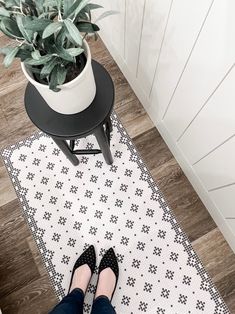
(87, 257)
(109, 260)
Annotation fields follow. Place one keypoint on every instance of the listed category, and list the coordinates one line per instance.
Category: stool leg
(62, 144)
(102, 140)
(110, 125)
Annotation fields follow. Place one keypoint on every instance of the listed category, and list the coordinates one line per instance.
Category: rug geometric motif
(68, 208)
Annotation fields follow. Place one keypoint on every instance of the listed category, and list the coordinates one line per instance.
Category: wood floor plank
(219, 261)
(18, 132)
(152, 148)
(122, 88)
(36, 255)
(215, 254)
(11, 79)
(17, 266)
(19, 124)
(7, 191)
(13, 229)
(3, 121)
(36, 297)
(12, 106)
(134, 118)
(12, 224)
(98, 49)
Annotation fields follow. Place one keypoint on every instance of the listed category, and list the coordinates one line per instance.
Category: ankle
(81, 278)
(106, 284)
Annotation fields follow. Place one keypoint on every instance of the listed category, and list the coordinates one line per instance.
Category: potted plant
(49, 38)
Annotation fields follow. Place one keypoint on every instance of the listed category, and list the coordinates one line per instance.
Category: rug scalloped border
(5, 154)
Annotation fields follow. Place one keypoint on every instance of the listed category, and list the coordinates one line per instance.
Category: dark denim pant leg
(71, 304)
(102, 305)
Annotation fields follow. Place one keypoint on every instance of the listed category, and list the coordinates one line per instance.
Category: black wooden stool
(93, 120)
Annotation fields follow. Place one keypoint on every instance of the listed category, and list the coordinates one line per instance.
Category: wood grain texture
(7, 191)
(3, 121)
(187, 206)
(25, 286)
(219, 260)
(36, 297)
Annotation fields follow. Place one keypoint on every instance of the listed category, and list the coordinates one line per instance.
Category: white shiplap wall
(179, 56)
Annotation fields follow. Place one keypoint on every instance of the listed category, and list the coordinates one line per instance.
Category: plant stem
(16, 12)
(60, 16)
(21, 7)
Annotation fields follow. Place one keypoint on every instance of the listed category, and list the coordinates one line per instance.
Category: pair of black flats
(109, 260)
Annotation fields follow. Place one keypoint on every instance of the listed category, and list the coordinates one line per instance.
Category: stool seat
(74, 125)
(93, 120)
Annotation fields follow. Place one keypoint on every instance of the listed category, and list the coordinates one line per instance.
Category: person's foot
(83, 269)
(106, 283)
(108, 275)
(81, 278)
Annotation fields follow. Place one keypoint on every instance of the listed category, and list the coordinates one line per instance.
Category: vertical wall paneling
(218, 169)
(211, 59)
(114, 24)
(155, 18)
(231, 223)
(134, 23)
(185, 23)
(178, 56)
(219, 107)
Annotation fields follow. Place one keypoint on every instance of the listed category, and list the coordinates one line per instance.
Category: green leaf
(61, 74)
(50, 3)
(39, 6)
(5, 31)
(47, 44)
(33, 69)
(54, 80)
(60, 39)
(37, 25)
(85, 13)
(105, 14)
(46, 70)
(4, 12)
(9, 27)
(51, 29)
(42, 60)
(10, 57)
(67, 5)
(6, 50)
(36, 55)
(74, 32)
(11, 3)
(77, 6)
(87, 27)
(23, 53)
(93, 6)
(71, 8)
(81, 5)
(45, 14)
(74, 52)
(61, 52)
(83, 16)
(27, 34)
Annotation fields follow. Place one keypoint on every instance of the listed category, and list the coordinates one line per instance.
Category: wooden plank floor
(24, 285)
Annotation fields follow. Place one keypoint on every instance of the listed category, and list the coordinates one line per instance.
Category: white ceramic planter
(75, 96)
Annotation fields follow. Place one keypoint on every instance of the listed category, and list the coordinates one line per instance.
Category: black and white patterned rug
(68, 208)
